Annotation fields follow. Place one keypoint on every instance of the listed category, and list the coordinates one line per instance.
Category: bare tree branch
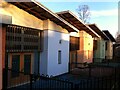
(84, 13)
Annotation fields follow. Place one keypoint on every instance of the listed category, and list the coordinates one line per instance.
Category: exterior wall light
(60, 41)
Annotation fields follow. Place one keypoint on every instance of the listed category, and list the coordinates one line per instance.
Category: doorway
(73, 60)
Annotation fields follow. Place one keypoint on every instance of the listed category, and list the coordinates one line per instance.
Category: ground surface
(84, 76)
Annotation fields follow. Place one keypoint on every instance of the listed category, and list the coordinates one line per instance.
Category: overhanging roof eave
(54, 17)
(109, 35)
(98, 31)
(79, 24)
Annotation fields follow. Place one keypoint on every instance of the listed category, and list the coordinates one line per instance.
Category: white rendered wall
(49, 57)
(21, 17)
(53, 46)
(44, 54)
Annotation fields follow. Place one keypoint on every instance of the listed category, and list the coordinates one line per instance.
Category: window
(59, 57)
(15, 65)
(27, 63)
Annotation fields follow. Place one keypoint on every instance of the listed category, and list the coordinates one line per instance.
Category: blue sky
(104, 14)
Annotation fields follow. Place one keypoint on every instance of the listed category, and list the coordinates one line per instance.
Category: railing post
(69, 68)
(5, 78)
(115, 78)
(89, 70)
(72, 86)
(31, 79)
(76, 87)
(119, 81)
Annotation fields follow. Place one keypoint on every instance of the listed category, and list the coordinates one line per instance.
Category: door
(27, 64)
(73, 59)
(15, 65)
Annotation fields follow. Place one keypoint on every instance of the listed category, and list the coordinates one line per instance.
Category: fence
(33, 82)
(107, 59)
(101, 83)
(13, 78)
(36, 82)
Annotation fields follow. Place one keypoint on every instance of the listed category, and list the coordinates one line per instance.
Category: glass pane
(15, 65)
(27, 64)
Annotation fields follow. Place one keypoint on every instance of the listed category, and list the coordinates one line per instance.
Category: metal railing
(36, 82)
(33, 82)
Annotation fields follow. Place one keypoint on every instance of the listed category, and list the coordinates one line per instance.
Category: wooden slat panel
(22, 39)
(74, 43)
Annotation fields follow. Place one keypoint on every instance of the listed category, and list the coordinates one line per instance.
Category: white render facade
(55, 43)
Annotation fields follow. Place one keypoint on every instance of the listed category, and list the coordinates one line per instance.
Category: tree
(118, 39)
(84, 13)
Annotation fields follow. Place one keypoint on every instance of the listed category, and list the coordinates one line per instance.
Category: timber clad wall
(85, 54)
(1, 57)
(74, 43)
(109, 50)
(3, 46)
(2, 52)
(19, 39)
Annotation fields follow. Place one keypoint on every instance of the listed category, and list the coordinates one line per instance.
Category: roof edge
(68, 11)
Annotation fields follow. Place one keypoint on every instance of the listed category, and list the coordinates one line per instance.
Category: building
(2, 52)
(109, 45)
(81, 43)
(34, 39)
(99, 48)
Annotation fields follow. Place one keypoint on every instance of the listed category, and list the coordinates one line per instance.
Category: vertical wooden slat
(17, 36)
(74, 43)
